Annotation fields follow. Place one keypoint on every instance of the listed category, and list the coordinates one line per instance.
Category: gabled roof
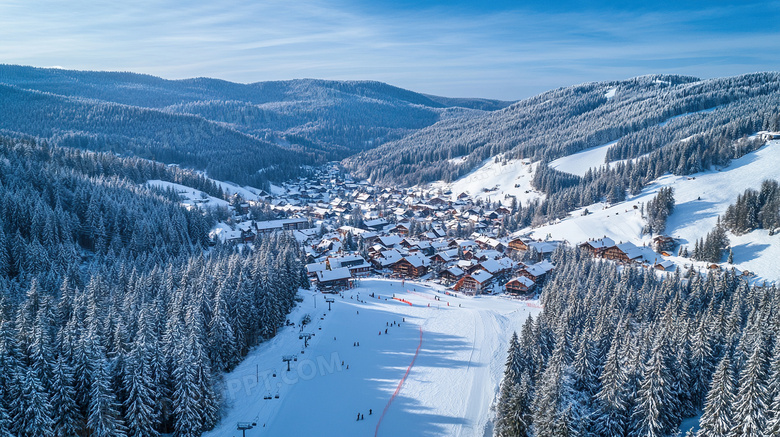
(334, 275)
(481, 276)
(601, 243)
(418, 260)
(522, 280)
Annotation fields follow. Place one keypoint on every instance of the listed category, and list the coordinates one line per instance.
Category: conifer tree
(717, 419)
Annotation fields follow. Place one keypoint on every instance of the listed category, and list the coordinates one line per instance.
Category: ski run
(423, 364)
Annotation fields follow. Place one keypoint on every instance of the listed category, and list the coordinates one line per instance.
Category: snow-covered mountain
(247, 133)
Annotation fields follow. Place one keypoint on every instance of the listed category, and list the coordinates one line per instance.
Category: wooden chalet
(410, 267)
(598, 247)
(518, 244)
(452, 274)
(334, 279)
(536, 272)
(519, 286)
(474, 283)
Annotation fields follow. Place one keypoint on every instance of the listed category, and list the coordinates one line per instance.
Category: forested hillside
(246, 133)
(661, 124)
(113, 319)
(620, 352)
(643, 114)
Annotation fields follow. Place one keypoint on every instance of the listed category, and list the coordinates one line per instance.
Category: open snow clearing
(426, 369)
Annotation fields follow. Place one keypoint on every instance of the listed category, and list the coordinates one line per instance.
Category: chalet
(536, 272)
(376, 225)
(387, 258)
(313, 268)
(445, 256)
(623, 252)
(664, 243)
(497, 267)
(271, 226)
(247, 236)
(518, 244)
(489, 243)
(452, 275)
(334, 279)
(389, 241)
(597, 247)
(411, 266)
(665, 265)
(401, 228)
(437, 201)
(519, 286)
(474, 283)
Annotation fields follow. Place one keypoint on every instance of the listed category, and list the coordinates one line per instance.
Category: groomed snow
(496, 180)
(579, 163)
(191, 197)
(248, 193)
(448, 391)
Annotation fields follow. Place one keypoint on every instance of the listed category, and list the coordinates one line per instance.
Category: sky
(496, 49)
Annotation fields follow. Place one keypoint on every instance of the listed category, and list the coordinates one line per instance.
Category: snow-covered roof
(601, 243)
(455, 271)
(523, 280)
(418, 260)
(334, 275)
(316, 267)
(481, 276)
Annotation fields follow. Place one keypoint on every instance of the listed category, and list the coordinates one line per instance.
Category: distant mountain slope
(642, 114)
(231, 130)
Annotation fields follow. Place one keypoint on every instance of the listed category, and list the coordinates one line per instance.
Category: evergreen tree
(717, 419)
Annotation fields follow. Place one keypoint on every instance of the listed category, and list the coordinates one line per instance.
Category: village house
(451, 275)
(475, 283)
(411, 266)
(333, 280)
(519, 286)
(536, 272)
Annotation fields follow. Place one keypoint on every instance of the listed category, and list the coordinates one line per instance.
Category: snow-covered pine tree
(717, 419)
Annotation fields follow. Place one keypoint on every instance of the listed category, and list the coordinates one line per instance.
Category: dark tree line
(114, 319)
(622, 352)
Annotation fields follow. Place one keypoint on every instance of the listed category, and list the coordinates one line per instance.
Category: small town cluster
(349, 230)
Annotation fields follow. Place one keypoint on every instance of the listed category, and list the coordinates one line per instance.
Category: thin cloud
(507, 54)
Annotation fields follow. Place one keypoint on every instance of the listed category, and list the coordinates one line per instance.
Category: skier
(369, 411)
(404, 319)
(385, 330)
(358, 418)
(358, 343)
(361, 417)
(353, 344)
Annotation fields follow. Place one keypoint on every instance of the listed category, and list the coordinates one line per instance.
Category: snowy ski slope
(447, 391)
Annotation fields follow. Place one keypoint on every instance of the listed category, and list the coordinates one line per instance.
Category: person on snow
(369, 411)
(385, 330)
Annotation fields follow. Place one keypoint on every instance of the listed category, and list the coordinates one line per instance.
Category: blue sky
(496, 49)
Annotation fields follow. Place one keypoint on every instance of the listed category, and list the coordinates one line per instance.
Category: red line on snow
(400, 383)
(403, 300)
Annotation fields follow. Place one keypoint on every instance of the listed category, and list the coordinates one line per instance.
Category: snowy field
(579, 163)
(700, 199)
(436, 372)
(191, 196)
(495, 181)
